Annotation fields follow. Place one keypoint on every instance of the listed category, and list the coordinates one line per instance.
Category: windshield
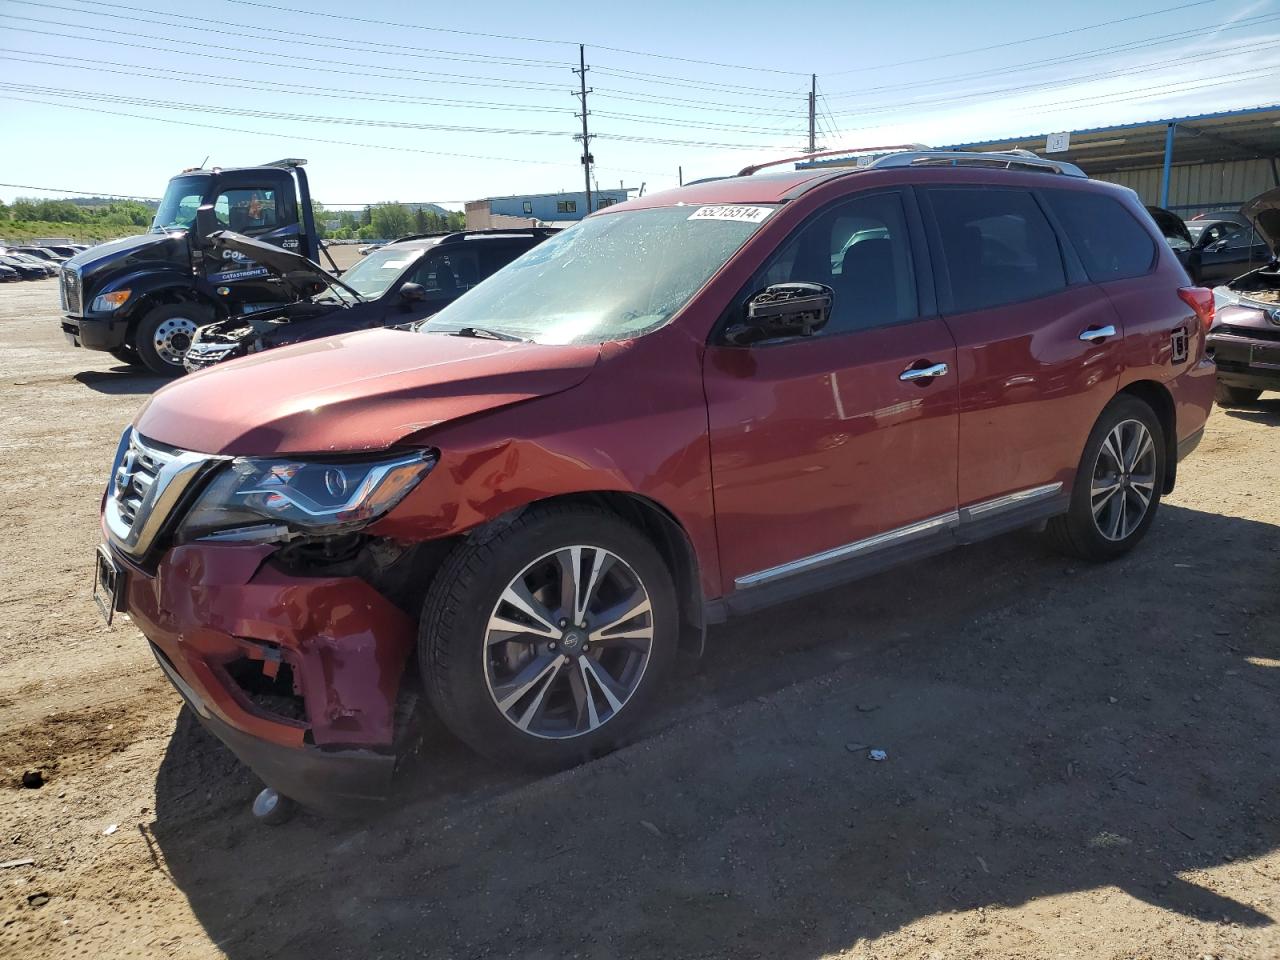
(181, 200)
(372, 276)
(610, 277)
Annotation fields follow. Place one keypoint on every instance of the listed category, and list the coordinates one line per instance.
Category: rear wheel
(543, 645)
(163, 336)
(1234, 396)
(1118, 484)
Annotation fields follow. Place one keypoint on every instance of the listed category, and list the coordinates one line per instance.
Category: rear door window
(998, 246)
(1109, 240)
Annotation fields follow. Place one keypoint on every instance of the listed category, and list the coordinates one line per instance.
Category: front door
(821, 442)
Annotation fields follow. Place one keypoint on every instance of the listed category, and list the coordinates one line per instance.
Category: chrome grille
(69, 291)
(147, 484)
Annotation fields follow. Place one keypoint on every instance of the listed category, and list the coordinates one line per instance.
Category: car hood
(293, 268)
(356, 392)
(137, 247)
(1263, 212)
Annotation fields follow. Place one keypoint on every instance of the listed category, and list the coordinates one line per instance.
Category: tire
(126, 354)
(163, 335)
(473, 677)
(1226, 396)
(1112, 532)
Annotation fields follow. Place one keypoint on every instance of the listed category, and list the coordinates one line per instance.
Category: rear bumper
(299, 676)
(1245, 362)
(96, 333)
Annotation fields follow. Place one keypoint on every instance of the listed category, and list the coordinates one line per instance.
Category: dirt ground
(1082, 761)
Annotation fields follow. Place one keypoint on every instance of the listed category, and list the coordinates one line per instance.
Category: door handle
(1097, 334)
(923, 373)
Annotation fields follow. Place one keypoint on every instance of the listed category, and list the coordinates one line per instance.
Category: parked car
(51, 269)
(1212, 248)
(8, 274)
(396, 285)
(27, 270)
(42, 253)
(677, 410)
(1245, 339)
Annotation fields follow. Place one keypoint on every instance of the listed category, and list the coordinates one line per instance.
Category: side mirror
(783, 310)
(206, 223)
(413, 292)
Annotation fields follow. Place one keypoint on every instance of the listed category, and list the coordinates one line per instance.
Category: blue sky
(440, 102)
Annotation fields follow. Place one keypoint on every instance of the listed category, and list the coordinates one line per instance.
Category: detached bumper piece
(1251, 363)
(299, 676)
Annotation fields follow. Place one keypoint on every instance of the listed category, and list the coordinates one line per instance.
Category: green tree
(391, 220)
(421, 221)
(366, 216)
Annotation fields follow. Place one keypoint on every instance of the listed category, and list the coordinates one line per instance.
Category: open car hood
(1263, 212)
(293, 268)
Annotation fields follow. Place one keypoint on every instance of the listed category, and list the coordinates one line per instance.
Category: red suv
(688, 406)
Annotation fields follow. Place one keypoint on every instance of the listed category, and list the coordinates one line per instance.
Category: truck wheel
(542, 645)
(163, 335)
(1118, 484)
(1234, 396)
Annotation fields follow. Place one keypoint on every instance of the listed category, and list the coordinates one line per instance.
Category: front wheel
(163, 336)
(1118, 484)
(543, 645)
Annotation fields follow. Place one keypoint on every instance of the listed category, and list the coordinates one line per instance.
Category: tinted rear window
(1112, 244)
(998, 245)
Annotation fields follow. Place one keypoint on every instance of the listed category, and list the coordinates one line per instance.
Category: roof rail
(1009, 159)
(847, 151)
(288, 163)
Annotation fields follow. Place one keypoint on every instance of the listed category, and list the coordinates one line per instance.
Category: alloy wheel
(172, 338)
(1124, 480)
(568, 641)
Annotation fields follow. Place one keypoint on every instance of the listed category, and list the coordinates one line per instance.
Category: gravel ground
(1082, 761)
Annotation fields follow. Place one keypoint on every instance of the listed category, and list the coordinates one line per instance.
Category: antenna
(204, 161)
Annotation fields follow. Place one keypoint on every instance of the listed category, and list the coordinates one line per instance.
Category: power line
(360, 96)
(393, 49)
(1014, 43)
(300, 138)
(212, 79)
(501, 81)
(1027, 87)
(105, 194)
(1042, 63)
(502, 36)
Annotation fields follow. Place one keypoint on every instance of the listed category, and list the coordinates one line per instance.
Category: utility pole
(585, 137)
(813, 100)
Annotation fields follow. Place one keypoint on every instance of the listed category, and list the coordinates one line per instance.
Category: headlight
(252, 498)
(106, 302)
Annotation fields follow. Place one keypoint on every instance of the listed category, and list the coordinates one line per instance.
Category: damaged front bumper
(300, 676)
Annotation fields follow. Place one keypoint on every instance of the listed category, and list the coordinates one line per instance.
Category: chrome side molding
(899, 535)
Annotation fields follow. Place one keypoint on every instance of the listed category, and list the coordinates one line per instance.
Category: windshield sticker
(395, 264)
(740, 214)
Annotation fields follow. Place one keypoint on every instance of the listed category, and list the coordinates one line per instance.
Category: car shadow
(1051, 727)
(121, 381)
(1260, 411)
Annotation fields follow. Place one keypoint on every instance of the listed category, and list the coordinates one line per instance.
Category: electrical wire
(392, 49)
(300, 138)
(1014, 43)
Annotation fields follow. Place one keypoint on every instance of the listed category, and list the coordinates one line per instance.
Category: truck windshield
(181, 200)
(611, 277)
(375, 273)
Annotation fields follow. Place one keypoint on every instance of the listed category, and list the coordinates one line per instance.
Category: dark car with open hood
(394, 286)
(1245, 339)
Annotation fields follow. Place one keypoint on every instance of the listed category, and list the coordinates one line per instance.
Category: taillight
(1199, 299)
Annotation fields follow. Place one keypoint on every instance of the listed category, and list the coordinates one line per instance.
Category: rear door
(819, 444)
(1038, 346)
